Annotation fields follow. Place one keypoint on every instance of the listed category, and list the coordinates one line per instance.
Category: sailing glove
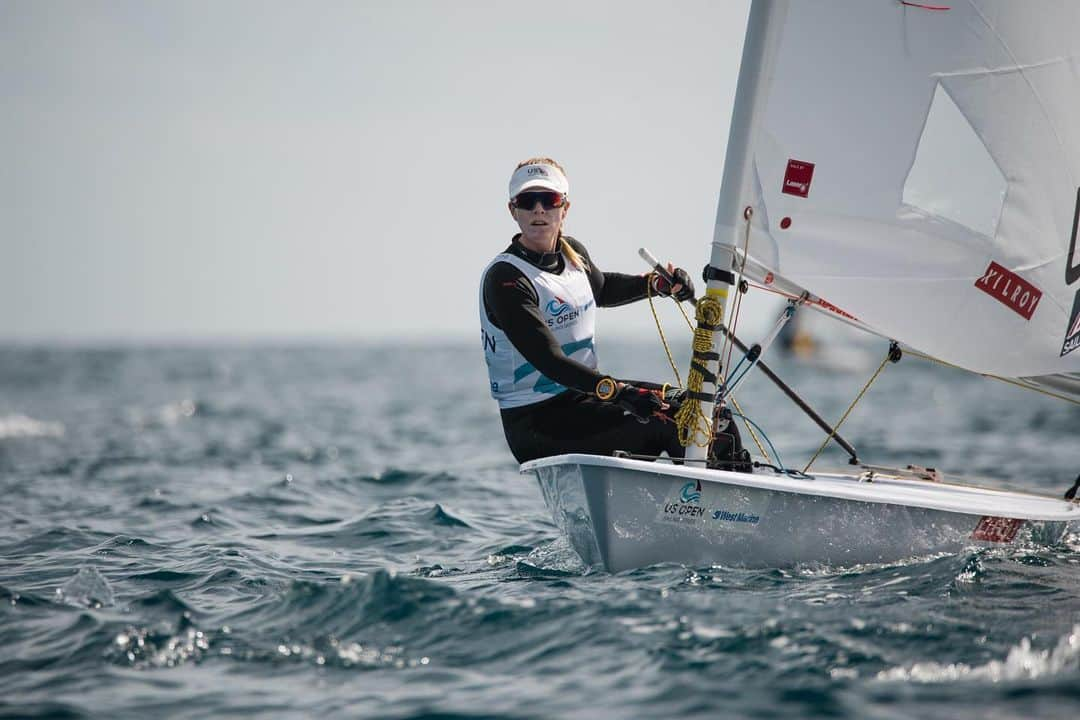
(675, 398)
(636, 401)
(663, 288)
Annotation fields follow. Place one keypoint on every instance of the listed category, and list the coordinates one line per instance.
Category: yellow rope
(667, 348)
(685, 316)
(710, 312)
(663, 338)
(731, 338)
(678, 378)
(1010, 381)
(836, 427)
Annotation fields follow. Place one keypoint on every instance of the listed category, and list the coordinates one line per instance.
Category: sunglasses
(548, 198)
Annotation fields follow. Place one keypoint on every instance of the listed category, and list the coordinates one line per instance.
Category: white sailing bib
(567, 304)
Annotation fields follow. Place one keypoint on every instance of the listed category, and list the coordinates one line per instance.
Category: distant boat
(909, 169)
(813, 340)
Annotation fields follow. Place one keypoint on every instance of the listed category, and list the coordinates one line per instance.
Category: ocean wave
(144, 647)
(294, 540)
(438, 516)
(88, 588)
(1023, 662)
(344, 607)
(397, 476)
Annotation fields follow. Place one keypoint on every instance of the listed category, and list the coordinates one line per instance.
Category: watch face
(605, 389)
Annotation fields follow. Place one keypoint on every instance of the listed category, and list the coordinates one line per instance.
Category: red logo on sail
(996, 529)
(797, 178)
(1010, 289)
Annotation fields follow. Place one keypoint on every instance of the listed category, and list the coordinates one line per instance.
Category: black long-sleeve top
(511, 303)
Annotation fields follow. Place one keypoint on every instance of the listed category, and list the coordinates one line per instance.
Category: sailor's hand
(674, 397)
(636, 401)
(682, 290)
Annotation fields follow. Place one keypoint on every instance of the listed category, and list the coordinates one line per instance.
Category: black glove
(639, 402)
(663, 288)
(675, 398)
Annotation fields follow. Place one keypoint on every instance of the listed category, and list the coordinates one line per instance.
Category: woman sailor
(538, 301)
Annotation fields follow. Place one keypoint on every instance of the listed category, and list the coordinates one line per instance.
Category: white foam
(1022, 663)
(21, 426)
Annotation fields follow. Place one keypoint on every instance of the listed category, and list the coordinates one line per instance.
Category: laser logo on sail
(797, 178)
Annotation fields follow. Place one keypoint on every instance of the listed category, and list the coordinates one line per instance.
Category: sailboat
(913, 170)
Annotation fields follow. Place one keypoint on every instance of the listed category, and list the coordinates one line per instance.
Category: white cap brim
(538, 175)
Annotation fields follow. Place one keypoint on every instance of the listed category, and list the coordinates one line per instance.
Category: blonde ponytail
(571, 254)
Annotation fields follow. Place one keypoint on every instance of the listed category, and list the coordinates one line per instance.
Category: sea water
(340, 531)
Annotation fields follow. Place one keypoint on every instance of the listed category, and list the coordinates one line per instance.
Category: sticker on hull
(724, 508)
(996, 529)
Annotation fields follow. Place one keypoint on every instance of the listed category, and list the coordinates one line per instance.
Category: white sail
(917, 168)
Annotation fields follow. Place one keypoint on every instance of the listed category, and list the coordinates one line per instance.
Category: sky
(193, 170)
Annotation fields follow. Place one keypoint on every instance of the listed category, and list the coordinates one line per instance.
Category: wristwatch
(606, 388)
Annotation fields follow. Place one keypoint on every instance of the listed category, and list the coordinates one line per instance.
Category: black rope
(790, 472)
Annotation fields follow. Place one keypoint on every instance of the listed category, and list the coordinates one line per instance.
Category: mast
(762, 36)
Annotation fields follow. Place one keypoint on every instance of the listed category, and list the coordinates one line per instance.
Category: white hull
(621, 514)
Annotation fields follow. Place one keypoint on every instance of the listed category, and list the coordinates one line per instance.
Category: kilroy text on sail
(1010, 289)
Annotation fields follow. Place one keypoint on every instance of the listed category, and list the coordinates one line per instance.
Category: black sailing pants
(575, 423)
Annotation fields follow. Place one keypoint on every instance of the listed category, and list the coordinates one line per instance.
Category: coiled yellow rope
(690, 420)
(678, 378)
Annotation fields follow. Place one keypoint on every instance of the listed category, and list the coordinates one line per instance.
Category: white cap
(538, 175)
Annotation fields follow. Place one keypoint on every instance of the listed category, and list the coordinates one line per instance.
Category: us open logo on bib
(557, 306)
(560, 313)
